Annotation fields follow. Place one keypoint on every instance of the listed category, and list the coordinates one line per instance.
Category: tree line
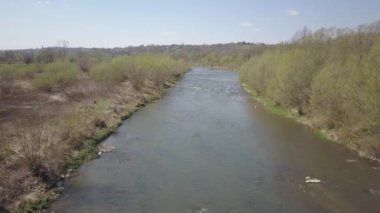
(223, 55)
(331, 75)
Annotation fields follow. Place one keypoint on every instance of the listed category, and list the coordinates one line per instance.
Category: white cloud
(292, 12)
(169, 33)
(246, 24)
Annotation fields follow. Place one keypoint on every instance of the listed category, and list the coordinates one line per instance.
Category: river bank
(331, 135)
(92, 120)
(53, 115)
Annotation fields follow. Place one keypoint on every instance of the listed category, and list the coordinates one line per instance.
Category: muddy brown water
(208, 147)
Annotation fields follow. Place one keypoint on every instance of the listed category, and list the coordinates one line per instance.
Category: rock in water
(374, 192)
(312, 180)
(104, 148)
(200, 210)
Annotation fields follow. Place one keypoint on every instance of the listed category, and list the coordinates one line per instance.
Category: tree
(302, 36)
(63, 46)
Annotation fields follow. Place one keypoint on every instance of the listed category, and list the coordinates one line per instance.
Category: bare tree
(302, 36)
(63, 46)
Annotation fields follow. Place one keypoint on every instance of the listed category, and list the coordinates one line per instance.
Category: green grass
(281, 111)
(322, 135)
(270, 105)
(40, 204)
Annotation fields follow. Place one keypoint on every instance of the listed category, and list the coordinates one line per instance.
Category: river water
(208, 147)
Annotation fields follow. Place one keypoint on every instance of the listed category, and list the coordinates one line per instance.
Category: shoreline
(323, 134)
(40, 197)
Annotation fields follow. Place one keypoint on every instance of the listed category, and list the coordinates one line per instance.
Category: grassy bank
(45, 141)
(292, 114)
(89, 150)
(328, 79)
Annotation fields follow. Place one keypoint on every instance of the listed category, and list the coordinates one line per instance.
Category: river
(208, 147)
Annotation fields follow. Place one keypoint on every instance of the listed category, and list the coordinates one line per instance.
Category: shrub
(335, 80)
(30, 70)
(328, 95)
(85, 63)
(7, 77)
(58, 74)
(156, 68)
(108, 73)
(137, 69)
(40, 147)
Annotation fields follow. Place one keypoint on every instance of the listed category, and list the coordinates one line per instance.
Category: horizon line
(146, 45)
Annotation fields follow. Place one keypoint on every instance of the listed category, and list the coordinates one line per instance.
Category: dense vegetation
(137, 68)
(63, 72)
(331, 75)
(230, 55)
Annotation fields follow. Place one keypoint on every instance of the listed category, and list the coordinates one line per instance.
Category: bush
(155, 68)
(137, 69)
(29, 70)
(108, 73)
(39, 150)
(58, 74)
(328, 94)
(334, 79)
(85, 63)
(7, 77)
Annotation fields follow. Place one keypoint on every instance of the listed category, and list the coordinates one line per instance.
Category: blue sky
(120, 23)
